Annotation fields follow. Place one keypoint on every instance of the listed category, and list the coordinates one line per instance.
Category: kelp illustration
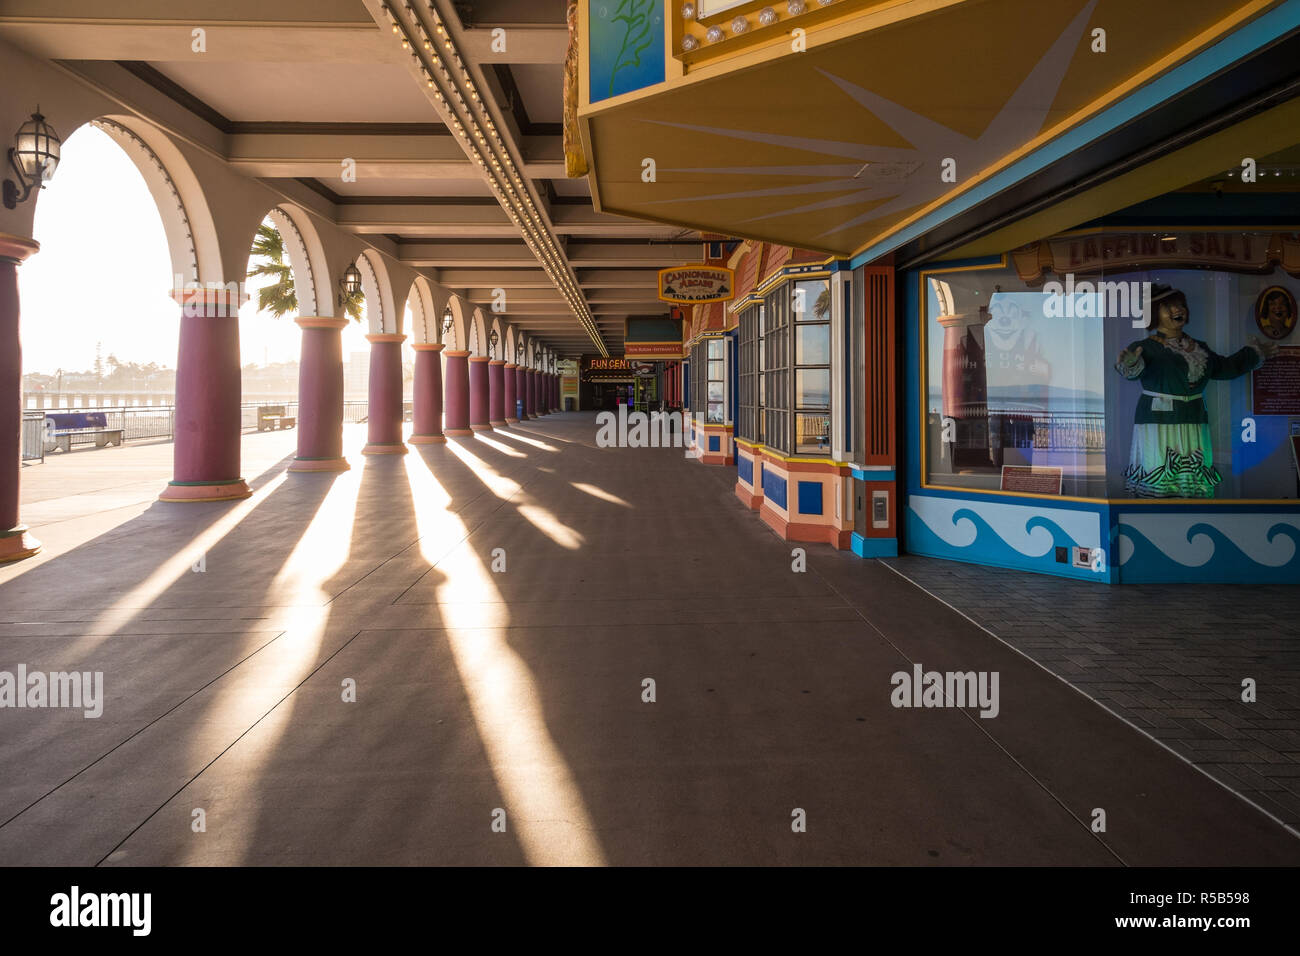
(636, 38)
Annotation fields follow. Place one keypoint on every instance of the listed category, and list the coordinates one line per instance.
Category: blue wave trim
(990, 548)
(1227, 565)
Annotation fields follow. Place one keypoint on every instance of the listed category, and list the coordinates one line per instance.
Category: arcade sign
(693, 284)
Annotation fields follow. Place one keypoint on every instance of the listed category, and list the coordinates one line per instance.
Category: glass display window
(1117, 365)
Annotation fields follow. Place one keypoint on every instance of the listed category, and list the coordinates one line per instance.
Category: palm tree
(822, 307)
(279, 298)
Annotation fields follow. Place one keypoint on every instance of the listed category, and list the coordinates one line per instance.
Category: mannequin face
(1172, 315)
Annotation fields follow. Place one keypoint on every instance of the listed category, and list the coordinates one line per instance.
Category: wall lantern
(492, 343)
(446, 320)
(519, 353)
(33, 157)
(351, 283)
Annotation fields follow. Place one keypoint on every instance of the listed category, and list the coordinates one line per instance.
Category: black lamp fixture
(350, 284)
(34, 157)
(519, 353)
(492, 343)
(446, 320)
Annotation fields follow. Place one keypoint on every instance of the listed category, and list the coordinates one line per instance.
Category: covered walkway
(508, 684)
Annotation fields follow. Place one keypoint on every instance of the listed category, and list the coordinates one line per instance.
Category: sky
(103, 274)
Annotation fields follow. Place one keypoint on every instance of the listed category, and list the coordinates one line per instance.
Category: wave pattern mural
(1234, 548)
(1011, 536)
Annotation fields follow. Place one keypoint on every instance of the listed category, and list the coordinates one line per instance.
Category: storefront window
(1118, 365)
(811, 310)
(747, 417)
(776, 370)
(716, 413)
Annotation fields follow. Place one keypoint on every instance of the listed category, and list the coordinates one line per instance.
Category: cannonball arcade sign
(689, 285)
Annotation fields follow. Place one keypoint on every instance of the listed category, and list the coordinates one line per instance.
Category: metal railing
(157, 422)
(33, 436)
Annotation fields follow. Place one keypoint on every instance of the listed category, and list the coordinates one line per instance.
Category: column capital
(497, 362)
(320, 322)
(17, 248)
(457, 353)
(211, 301)
(427, 346)
(478, 358)
(386, 337)
(511, 365)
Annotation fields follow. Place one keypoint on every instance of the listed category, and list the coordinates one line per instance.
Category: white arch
(459, 326)
(381, 313)
(424, 314)
(302, 244)
(187, 222)
(478, 333)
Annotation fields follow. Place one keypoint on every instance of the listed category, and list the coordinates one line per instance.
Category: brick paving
(1169, 659)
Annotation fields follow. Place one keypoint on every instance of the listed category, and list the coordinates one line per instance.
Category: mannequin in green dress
(1171, 455)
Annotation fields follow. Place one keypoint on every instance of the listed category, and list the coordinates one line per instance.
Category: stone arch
(192, 240)
(425, 317)
(478, 333)
(459, 324)
(381, 312)
(499, 326)
(302, 244)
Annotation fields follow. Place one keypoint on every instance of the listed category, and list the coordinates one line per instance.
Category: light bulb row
(740, 24)
(485, 146)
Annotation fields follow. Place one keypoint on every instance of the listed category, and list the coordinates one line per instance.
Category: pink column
(538, 392)
(320, 396)
(384, 415)
(496, 392)
(511, 376)
(426, 428)
(15, 540)
(457, 397)
(208, 419)
(553, 391)
(530, 395)
(479, 394)
(521, 389)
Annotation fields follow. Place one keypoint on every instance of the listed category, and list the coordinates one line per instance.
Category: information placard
(1041, 480)
(1275, 385)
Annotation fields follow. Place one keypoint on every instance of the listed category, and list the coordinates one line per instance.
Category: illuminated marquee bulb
(714, 35)
(689, 43)
(766, 17)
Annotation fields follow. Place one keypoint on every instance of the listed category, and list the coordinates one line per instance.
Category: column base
(385, 448)
(187, 491)
(427, 440)
(458, 431)
(480, 427)
(497, 423)
(320, 464)
(16, 544)
(512, 421)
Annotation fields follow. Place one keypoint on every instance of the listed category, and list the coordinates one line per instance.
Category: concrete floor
(517, 695)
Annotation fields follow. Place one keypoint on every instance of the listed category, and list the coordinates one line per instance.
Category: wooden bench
(65, 429)
(271, 417)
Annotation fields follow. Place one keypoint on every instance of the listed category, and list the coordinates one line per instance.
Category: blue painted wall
(774, 487)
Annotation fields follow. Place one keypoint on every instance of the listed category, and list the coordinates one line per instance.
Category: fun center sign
(692, 284)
